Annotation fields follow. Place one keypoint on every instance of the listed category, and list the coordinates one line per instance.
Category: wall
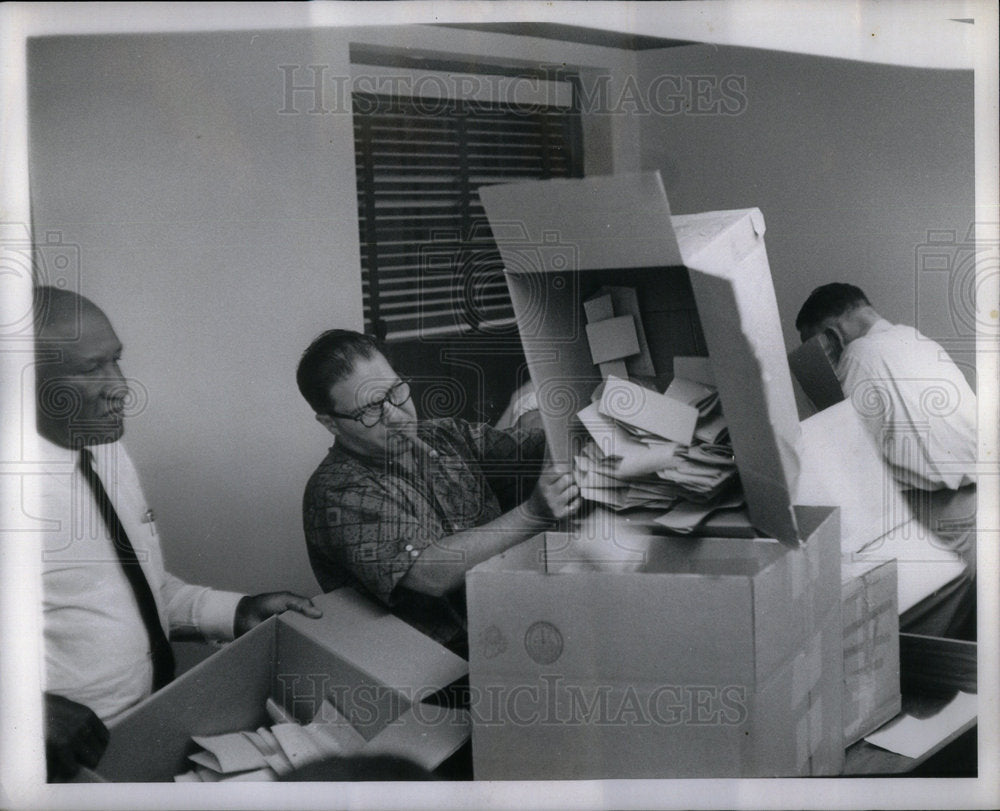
(220, 236)
(852, 164)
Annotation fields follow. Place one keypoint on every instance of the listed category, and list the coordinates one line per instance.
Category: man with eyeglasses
(402, 508)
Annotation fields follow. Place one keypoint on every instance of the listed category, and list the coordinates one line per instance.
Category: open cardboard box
(658, 657)
(374, 667)
(704, 288)
(646, 613)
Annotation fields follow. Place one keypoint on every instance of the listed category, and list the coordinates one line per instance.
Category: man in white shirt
(109, 604)
(907, 390)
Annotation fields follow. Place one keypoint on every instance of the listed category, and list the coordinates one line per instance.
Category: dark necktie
(163, 655)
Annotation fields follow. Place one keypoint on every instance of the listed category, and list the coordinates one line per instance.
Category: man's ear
(328, 422)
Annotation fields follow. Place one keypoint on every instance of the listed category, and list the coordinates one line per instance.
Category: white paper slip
(611, 439)
(712, 430)
(685, 518)
(648, 410)
(273, 753)
(913, 737)
(615, 499)
(297, 744)
(227, 753)
(332, 732)
(718, 455)
(277, 713)
(698, 395)
(919, 579)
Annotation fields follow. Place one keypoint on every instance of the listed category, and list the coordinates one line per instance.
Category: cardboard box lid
(624, 221)
(598, 217)
(373, 640)
(841, 464)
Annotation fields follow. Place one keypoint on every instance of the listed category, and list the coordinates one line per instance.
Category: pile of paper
(272, 751)
(656, 451)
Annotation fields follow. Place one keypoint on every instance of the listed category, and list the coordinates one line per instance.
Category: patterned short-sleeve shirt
(368, 519)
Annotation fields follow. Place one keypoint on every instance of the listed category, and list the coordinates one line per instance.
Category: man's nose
(115, 384)
(394, 414)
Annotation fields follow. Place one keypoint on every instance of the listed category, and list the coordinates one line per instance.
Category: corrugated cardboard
(598, 655)
(704, 288)
(871, 647)
(372, 666)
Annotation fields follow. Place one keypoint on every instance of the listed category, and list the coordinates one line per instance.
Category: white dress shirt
(96, 645)
(916, 402)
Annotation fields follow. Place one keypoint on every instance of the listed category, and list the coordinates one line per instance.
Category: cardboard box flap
(623, 222)
(841, 465)
(739, 317)
(610, 221)
(237, 679)
(740, 229)
(427, 735)
(378, 643)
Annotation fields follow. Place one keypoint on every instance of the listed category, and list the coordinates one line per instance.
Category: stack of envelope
(272, 751)
(655, 450)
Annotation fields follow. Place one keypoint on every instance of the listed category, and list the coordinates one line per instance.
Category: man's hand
(251, 611)
(555, 496)
(74, 737)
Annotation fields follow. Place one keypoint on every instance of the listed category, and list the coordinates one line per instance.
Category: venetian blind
(430, 266)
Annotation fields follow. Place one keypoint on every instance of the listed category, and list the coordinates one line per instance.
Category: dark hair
(828, 301)
(330, 358)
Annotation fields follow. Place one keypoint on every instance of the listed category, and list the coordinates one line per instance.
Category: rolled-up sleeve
(369, 532)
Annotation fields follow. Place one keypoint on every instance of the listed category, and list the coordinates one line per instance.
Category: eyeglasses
(373, 413)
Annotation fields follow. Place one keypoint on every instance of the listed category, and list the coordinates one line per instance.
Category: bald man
(109, 605)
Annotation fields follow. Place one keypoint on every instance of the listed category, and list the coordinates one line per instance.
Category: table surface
(932, 671)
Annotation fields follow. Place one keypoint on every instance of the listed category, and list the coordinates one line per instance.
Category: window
(430, 267)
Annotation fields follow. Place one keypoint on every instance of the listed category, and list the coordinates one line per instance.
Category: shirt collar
(425, 429)
(879, 326)
(50, 451)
